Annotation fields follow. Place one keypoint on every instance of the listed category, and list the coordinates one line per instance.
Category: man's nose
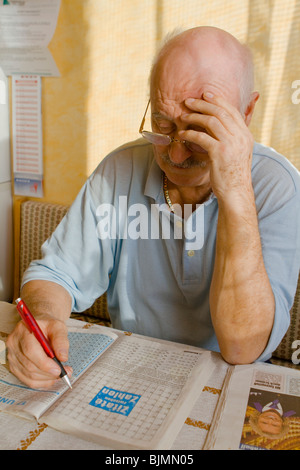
(178, 152)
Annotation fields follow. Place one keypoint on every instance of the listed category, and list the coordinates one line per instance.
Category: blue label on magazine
(115, 401)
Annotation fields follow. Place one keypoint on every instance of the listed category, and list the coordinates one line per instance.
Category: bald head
(205, 53)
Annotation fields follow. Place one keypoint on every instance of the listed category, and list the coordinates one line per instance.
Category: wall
(103, 52)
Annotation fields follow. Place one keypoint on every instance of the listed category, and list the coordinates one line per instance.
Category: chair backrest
(37, 220)
(285, 350)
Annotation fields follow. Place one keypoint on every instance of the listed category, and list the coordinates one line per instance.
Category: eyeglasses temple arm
(144, 118)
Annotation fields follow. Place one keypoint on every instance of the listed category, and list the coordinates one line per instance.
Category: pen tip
(67, 380)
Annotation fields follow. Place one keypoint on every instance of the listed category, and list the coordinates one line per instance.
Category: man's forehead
(183, 73)
(169, 109)
(169, 91)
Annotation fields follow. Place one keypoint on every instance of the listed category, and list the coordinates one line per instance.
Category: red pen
(30, 321)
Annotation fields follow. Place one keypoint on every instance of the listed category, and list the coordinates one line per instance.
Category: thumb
(58, 336)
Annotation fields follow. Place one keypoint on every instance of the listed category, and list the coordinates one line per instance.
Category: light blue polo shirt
(119, 236)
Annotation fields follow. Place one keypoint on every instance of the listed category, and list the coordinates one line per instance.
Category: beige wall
(103, 49)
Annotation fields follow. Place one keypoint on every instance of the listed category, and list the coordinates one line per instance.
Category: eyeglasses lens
(156, 139)
(159, 139)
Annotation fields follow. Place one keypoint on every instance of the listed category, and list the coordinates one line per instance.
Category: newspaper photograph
(259, 410)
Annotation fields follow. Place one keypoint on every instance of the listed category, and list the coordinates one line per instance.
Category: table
(22, 434)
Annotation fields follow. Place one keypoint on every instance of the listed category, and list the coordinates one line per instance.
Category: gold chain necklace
(166, 193)
(167, 197)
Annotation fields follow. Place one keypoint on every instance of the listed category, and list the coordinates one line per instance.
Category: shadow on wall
(64, 107)
(274, 38)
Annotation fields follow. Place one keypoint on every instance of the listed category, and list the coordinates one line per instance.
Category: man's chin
(187, 176)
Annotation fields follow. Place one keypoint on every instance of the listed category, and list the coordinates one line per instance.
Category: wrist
(237, 200)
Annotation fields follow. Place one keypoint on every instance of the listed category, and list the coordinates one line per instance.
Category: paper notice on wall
(26, 29)
(27, 135)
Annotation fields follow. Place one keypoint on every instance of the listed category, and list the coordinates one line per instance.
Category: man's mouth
(187, 164)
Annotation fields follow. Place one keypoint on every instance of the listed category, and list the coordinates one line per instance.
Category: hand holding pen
(33, 327)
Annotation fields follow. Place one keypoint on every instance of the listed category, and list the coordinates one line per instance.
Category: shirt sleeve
(74, 256)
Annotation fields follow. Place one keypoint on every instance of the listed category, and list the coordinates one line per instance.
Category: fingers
(216, 106)
(201, 139)
(214, 121)
(57, 334)
(218, 118)
(27, 359)
(219, 128)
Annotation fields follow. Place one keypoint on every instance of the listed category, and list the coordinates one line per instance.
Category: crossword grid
(85, 348)
(158, 386)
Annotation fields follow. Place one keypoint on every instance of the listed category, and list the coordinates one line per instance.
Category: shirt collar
(153, 186)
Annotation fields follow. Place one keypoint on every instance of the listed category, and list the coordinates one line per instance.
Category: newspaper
(86, 346)
(259, 409)
(129, 392)
(136, 396)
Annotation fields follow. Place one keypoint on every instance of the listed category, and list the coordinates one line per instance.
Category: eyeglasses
(163, 139)
(154, 137)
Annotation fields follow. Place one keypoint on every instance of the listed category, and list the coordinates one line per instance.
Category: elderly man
(199, 170)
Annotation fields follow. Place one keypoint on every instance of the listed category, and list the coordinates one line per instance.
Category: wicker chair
(34, 223)
(283, 354)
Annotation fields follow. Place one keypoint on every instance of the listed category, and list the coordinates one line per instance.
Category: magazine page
(259, 410)
(137, 395)
(86, 345)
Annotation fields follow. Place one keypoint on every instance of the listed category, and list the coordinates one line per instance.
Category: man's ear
(250, 108)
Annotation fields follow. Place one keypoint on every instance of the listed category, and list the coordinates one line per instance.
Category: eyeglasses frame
(141, 130)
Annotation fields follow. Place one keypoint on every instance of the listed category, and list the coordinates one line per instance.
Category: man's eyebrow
(160, 116)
